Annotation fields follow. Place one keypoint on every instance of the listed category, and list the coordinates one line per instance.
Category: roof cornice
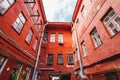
(77, 7)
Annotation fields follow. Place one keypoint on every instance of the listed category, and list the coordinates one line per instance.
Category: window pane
(22, 18)
(29, 36)
(112, 22)
(52, 37)
(70, 59)
(84, 49)
(96, 38)
(60, 58)
(50, 59)
(35, 44)
(11, 1)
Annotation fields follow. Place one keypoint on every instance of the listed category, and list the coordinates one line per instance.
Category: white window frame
(84, 49)
(115, 26)
(60, 59)
(50, 59)
(84, 11)
(70, 56)
(19, 23)
(35, 44)
(4, 61)
(52, 37)
(5, 5)
(60, 38)
(96, 38)
(29, 36)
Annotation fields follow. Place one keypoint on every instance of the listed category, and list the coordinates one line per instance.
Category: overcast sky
(59, 10)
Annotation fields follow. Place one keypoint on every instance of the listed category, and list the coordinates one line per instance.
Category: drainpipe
(83, 77)
(39, 50)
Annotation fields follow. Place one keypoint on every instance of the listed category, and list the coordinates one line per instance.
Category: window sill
(70, 63)
(98, 46)
(59, 63)
(49, 64)
(114, 35)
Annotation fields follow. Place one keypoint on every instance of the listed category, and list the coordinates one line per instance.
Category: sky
(59, 10)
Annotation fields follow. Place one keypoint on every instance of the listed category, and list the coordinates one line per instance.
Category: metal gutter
(39, 50)
(79, 56)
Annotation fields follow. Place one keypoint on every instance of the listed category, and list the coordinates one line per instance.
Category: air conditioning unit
(60, 42)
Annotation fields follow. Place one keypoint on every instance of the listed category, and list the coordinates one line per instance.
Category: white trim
(3, 66)
(28, 75)
(47, 68)
(19, 72)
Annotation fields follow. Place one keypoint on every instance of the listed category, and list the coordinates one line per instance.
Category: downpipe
(38, 54)
(83, 77)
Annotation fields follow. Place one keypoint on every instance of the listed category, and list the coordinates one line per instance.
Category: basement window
(5, 5)
(112, 22)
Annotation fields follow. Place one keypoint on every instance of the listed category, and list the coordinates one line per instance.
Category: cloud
(59, 10)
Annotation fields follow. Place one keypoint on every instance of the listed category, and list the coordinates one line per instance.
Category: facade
(97, 25)
(21, 23)
(88, 47)
(57, 57)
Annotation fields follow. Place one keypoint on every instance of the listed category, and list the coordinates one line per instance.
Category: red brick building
(87, 47)
(97, 23)
(21, 24)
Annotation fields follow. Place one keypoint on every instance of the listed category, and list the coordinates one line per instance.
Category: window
(111, 76)
(31, 2)
(29, 36)
(84, 49)
(78, 23)
(50, 59)
(96, 38)
(112, 22)
(70, 59)
(60, 38)
(52, 37)
(5, 4)
(45, 38)
(18, 24)
(60, 58)
(35, 44)
(84, 11)
(3, 61)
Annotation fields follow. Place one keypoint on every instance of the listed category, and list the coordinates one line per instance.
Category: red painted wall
(55, 48)
(8, 47)
(111, 44)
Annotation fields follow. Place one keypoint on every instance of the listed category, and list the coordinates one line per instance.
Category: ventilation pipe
(38, 54)
(83, 77)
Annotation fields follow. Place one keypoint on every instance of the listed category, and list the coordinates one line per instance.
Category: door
(55, 78)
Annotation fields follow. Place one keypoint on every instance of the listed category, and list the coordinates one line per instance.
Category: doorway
(60, 76)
